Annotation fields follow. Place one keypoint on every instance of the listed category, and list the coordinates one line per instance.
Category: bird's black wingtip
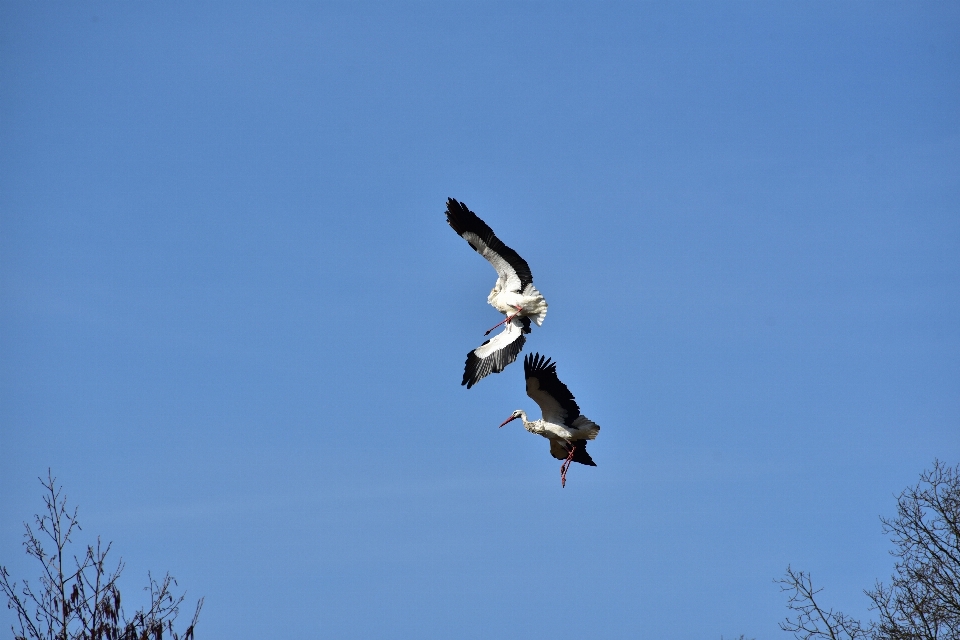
(462, 219)
(580, 454)
(472, 370)
(457, 209)
(535, 363)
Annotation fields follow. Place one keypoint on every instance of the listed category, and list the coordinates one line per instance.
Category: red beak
(508, 420)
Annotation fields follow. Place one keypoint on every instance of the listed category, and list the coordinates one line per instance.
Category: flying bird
(513, 295)
(561, 424)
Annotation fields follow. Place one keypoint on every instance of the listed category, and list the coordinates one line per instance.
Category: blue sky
(233, 320)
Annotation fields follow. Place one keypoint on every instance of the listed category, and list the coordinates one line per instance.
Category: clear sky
(233, 320)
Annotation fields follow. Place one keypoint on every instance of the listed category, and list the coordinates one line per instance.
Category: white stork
(561, 424)
(513, 295)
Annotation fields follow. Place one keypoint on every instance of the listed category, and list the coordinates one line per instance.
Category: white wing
(513, 272)
(551, 409)
(495, 354)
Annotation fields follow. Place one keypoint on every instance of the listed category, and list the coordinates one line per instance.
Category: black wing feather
(545, 371)
(580, 453)
(560, 450)
(463, 220)
(477, 368)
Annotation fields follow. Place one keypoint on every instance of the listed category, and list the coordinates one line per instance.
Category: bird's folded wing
(495, 354)
(544, 387)
(513, 273)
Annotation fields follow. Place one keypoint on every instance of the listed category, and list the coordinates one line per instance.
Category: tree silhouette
(922, 600)
(78, 597)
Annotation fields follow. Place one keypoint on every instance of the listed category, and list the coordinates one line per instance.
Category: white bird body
(582, 429)
(561, 424)
(513, 295)
(528, 304)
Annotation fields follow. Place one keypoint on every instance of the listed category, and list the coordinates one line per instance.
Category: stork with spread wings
(561, 422)
(513, 295)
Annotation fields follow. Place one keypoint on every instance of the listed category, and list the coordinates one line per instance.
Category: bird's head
(516, 414)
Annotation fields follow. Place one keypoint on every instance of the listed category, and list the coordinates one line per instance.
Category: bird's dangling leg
(566, 465)
(505, 320)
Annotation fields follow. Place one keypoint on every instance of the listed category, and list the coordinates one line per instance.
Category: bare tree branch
(83, 603)
(812, 621)
(922, 600)
(923, 597)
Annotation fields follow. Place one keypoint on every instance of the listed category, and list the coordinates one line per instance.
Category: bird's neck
(533, 426)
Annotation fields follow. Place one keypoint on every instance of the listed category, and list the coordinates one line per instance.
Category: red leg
(508, 319)
(566, 465)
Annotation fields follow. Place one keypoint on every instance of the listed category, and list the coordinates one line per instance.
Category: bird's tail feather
(584, 423)
(538, 310)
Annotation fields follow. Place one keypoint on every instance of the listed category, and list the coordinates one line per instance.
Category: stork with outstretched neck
(561, 424)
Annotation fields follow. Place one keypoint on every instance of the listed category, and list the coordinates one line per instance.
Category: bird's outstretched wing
(560, 450)
(544, 387)
(495, 354)
(513, 273)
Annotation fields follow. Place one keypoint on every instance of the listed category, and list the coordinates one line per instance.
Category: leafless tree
(923, 597)
(922, 600)
(812, 621)
(78, 597)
